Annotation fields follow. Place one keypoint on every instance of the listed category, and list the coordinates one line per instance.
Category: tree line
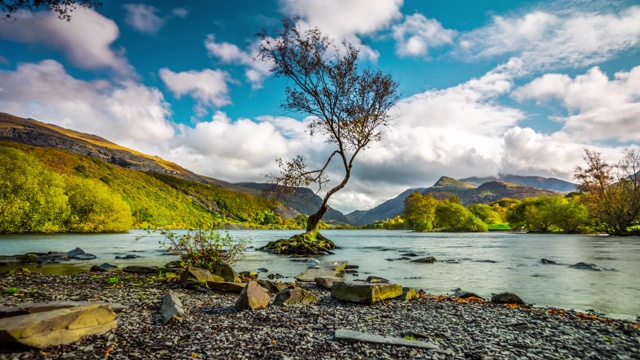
(608, 201)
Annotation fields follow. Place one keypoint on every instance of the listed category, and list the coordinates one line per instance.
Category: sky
(486, 87)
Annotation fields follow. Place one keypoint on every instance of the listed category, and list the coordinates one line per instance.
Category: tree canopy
(348, 105)
(63, 8)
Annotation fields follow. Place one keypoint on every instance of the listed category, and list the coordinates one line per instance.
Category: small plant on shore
(11, 290)
(204, 248)
(409, 337)
(113, 280)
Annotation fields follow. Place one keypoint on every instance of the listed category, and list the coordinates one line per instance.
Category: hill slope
(551, 184)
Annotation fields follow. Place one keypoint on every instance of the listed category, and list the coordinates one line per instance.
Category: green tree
(420, 211)
(347, 106)
(450, 214)
(95, 208)
(612, 191)
(32, 199)
(486, 213)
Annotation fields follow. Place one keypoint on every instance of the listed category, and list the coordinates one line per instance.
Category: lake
(484, 263)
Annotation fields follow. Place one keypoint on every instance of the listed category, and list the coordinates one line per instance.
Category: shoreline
(214, 329)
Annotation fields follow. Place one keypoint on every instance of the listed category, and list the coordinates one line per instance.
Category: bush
(204, 248)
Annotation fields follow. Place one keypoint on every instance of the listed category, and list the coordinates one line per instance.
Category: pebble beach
(214, 329)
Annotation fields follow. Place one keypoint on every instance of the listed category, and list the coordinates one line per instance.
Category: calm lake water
(487, 263)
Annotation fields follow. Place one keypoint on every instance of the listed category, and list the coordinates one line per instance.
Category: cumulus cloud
(240, 150)
(143, 18)
(256, 71)
(207, 87)
(576, 37)
(598, 108)
(128, 113)
(86, 41)
(416, 34)
(342, 20)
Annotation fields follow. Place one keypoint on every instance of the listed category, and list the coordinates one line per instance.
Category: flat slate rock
(226, 286)
(333, 268)
(354, 336)
(56, 327)
(172, 308)
(33, 308)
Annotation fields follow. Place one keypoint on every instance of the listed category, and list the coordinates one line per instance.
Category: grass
(113, 280)
(499, 227)
(11, 290)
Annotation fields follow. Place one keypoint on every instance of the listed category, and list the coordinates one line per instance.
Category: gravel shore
(215, 330)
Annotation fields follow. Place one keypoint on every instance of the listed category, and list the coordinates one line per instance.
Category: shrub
(204, 248)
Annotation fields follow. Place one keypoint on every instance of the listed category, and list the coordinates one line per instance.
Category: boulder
(102, 267)
(425, 260)
(172, 309)
(175, 265)
(360, 292)
(56, 327)
(295, 295)
(409, 294)
(252, 297)
(326, 282)
(136, 269)
(333, 268)
(273, 287)
(195, 277)
(79, 254)
(376, 280)
(263, 270)
(226, 286)
(275, 276)
(226, 273)
(548, 262)
(507, 298)
(410, 254)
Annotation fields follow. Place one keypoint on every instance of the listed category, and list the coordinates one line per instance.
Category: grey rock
(507, 298)
(293, 296)
(252, 297)
(425, 260)
(172, 308)
(326, 282)
(356, 336)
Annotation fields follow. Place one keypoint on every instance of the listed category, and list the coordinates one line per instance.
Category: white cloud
(417, 34)
(544, 39)
(143, 18)
(128, 113)
(599, 108)
(180, 12)
(256, 71)
(345, 20)
(86, 41)
(240, 150)
(208, 87)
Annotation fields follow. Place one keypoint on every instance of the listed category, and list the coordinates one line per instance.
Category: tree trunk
(314, 220)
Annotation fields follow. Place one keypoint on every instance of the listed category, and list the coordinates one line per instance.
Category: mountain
(159, 192)
(443, 189)
(387, 210)
(301, 199)
(539, 182)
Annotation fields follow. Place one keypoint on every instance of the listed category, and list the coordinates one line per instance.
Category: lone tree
(612, 191)
(348, 106)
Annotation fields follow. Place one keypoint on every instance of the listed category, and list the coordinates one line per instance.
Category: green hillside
(154, 200)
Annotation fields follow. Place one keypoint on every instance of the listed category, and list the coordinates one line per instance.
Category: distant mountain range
(468, 192)
(300, 201)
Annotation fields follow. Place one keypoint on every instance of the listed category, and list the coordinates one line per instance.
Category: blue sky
(487, 87)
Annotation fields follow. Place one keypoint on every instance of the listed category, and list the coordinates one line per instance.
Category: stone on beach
(357, 336)
(252, 297)
(326, 282)
(334, 268)
(364, 292)
(79, 254)
(61, 326)
(273, 287)
(409, 294)
(226, 286)
(226, 272)
(295, 295)
(137, 269)
(425, 260)
(195, 277)
(33, 308)
(172, 308)
(507, 298)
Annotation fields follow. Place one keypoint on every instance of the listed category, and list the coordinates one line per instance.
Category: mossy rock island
(301, 244)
